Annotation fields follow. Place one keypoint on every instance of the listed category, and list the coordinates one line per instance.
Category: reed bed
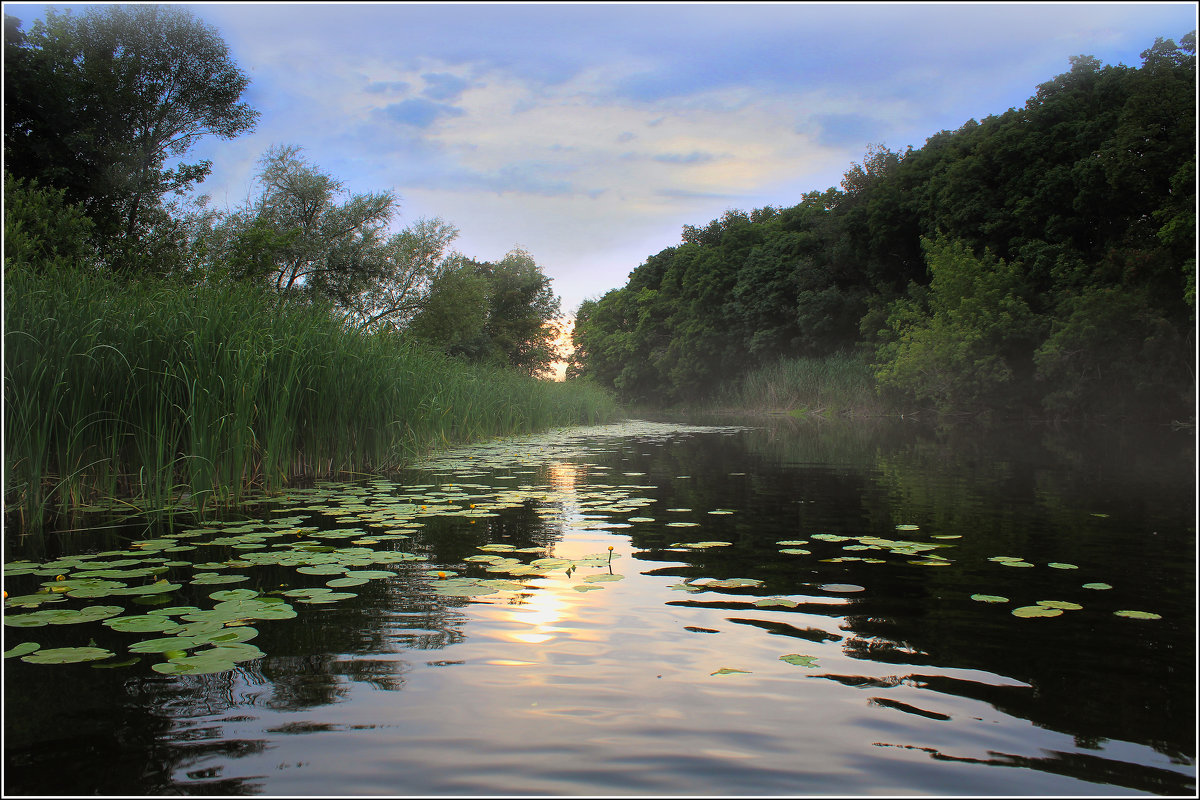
(837, 384)
(162, 396)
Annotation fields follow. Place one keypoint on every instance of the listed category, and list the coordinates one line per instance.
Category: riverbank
(159, 396)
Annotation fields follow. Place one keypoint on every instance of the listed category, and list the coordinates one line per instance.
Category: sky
(590, 134)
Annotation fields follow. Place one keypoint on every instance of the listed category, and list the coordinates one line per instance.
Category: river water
(724, 607)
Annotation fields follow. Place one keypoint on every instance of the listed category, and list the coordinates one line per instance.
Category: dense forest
(161, 355)
(1040, 262)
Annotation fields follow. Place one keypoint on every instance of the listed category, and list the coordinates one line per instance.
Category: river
(717, 607)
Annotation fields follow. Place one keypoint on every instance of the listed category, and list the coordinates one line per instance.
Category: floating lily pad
(1065, 605)
(67, 655)
(1099, 586)
(1138, 614)
(766, 602)
(989, 598)
(585, 587)
(800, 660)
(908, 527)
(163, 645)
(24, 648)
(233, 594)
(602, 577)
(1036, 611)
(729, 671)
(701, 545)
(841, 587)
(732, 583)
(1060, 565)
(346, 581)
(792, 542)
(211, 578)
(142, 623)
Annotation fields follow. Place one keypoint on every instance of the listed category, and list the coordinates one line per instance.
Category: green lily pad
(792, 542)
(142, 623)
(989, 598)
(585, 587)
(841, 587)
(192, 665)
(1036, 611)
(67, 655)
(331, 597)
(767, 602)
(1063, 604)
(908, 527)
(732, 583)
(729, 671)
(1138, 614)
(701, 545)
(24, 648)
(233, 594)
(1097, 586)
(213, 578)
(1060, 565)
(602, 577)
(795, 551)
(349, 580)
(163, 645)
(800, 660)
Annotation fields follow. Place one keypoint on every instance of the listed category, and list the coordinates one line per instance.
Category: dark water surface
(861, 666)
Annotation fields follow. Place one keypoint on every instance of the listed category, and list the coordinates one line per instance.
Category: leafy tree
(962, 340)
(42, 230)
(522, 311)
(98, 103)
(300, 238)
(455, 310)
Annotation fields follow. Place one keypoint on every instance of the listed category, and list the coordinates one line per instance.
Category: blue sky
(589, 134)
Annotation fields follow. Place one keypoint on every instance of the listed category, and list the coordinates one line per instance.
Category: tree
(962, 341)
(522, 310)
(97, 104)
(299, 239)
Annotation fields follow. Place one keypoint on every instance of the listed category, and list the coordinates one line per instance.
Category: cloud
(418, 112)
(443, 86)
(387, 87)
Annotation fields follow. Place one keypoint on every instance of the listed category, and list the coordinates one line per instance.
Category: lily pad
(142, 623)
(729, 671)
(1036, 611)
(1063, 604)
(989, 598)
(841, 587)
(67, 655)
(24, 648)
(800, 660)
(1061, 565)
(1138, 614)
(1097, 586)
(604, 576)
(766, 602)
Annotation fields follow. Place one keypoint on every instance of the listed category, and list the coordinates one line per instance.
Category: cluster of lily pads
(357, 542)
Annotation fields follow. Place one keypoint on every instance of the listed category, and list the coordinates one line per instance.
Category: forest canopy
(1038, 261)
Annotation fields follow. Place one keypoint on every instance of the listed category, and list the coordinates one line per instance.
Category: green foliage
(955, 263)
(42, 230)
(957, 342)
(96, 104)
(169, 395)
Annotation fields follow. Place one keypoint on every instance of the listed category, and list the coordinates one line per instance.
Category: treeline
(101, 110)
(167, 356)
(1041, 261)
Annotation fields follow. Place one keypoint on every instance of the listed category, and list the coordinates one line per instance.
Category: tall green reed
(165, 396)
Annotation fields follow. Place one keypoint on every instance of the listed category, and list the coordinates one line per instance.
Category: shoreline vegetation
(160, 397)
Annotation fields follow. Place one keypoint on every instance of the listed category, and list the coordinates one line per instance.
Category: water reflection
(908, 685)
